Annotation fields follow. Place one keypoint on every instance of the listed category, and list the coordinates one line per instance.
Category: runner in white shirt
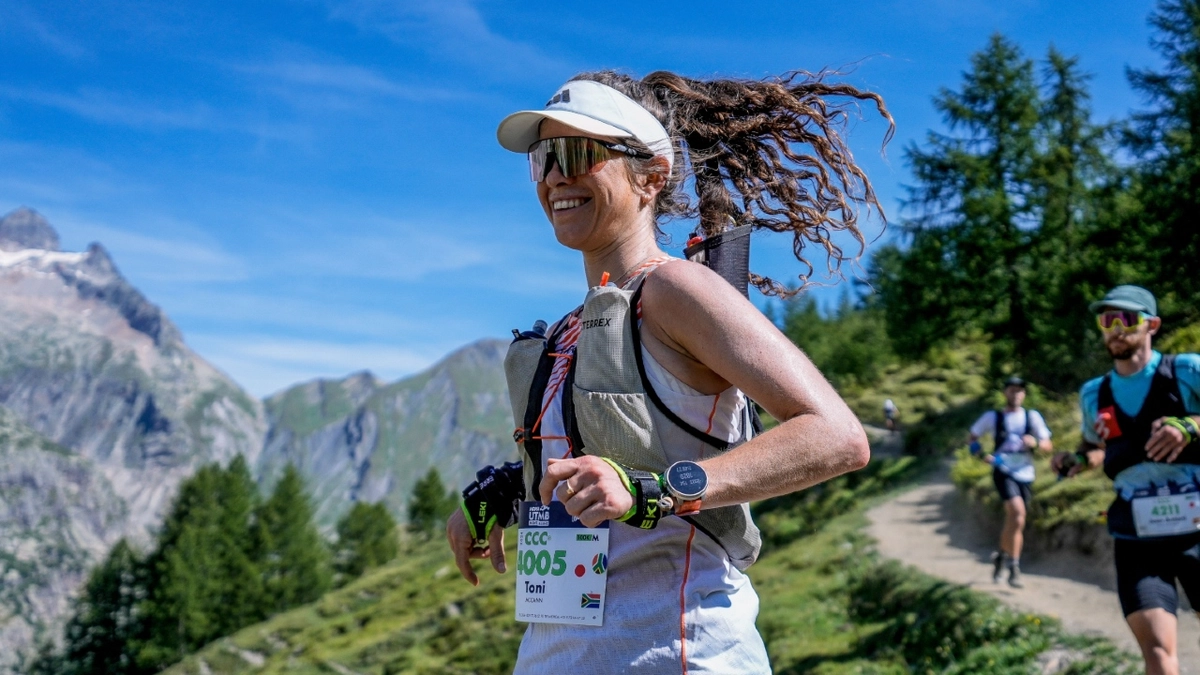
(889, 414)
(1016, 433)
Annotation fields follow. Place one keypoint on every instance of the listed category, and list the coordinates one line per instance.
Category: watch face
(687, 480)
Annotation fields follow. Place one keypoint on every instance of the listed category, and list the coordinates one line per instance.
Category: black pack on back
(727, 254)
(1001, 429)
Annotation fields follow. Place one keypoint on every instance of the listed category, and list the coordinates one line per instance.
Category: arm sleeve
(985, 426)
(1187, 371)
(1037, 426)
(1089, 397)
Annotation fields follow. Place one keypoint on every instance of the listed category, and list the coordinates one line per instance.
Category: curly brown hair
(767, 154)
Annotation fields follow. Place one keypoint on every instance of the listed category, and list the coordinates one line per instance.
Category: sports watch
(685, 482)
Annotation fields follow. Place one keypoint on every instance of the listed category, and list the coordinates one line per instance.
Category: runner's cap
(1132, 298)
(593, 108)
(1014, 381)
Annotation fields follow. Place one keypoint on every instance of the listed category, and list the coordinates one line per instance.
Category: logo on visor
(563, 96)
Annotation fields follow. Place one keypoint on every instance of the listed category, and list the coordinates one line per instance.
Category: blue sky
(313, 187)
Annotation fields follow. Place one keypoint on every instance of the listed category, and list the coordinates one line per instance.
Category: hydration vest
(1001, 429)
(610, 408)
(1017, 464)
(1125, 448)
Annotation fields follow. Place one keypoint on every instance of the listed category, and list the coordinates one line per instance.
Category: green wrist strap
(1179, 424)
(645, 487)
(628, 486)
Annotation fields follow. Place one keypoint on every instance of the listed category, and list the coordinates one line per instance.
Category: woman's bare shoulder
(684, 285)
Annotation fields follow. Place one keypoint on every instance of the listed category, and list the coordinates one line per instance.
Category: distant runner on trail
(1016, 433)
(889, 415)
(1140, 424)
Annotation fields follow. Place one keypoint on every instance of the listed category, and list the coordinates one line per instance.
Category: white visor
(593, 108)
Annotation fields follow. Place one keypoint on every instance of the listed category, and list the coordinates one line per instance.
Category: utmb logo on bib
(539, 516)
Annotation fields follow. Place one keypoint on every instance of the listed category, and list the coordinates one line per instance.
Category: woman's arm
(709, 336)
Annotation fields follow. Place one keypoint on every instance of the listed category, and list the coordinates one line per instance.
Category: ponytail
(764, 154)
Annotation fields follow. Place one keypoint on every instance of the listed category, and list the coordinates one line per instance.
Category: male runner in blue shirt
(1140, 422)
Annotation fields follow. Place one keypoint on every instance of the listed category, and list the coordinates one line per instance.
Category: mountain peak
(25, 228)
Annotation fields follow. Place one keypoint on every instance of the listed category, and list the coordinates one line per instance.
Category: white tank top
(675, 602)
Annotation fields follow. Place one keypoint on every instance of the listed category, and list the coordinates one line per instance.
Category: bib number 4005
(542, 563)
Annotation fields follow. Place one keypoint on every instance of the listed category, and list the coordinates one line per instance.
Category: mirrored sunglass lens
(1109, 320)
(537, 161)
(575, 156)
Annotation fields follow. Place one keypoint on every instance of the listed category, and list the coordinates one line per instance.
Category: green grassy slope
(829, 606)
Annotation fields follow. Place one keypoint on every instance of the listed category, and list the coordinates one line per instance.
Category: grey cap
(1133, 298)
(1014, 381)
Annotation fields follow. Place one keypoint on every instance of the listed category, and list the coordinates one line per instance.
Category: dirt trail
(930, 528)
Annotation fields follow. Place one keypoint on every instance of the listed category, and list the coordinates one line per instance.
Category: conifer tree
(1076, 188)
(1006, 213)
(1167, 138)
(431, 504)
(293, 558)
(241, 593)
(185, 581)
(366, 538)
(971, 208)
(203, 582)
(100, 637)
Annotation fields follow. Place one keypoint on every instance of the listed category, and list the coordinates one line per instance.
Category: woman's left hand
(588, 487)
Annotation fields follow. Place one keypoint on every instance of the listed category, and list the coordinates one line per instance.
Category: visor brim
(1101, 305)
(519, 130)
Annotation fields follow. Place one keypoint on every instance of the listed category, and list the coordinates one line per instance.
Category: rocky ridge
(87, 361)
(100, 375)
(104, 410)
(358, 439)
(58, 517)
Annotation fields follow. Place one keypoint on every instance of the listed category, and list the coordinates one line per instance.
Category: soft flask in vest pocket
(527, 360)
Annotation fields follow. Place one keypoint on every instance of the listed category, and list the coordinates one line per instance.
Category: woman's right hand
(463, 546)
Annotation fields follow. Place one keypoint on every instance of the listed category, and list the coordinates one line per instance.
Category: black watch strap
(647, 496)
(646, 488)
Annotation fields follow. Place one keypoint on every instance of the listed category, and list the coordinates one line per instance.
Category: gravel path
(929, 527)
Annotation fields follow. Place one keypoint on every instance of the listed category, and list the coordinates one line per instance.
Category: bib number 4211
(1166, 510)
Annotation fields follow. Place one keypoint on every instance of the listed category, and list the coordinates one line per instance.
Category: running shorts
(1009, 487)
(1148, 569)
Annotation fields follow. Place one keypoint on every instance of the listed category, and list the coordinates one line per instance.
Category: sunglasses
(575, 155)
(1125, 320)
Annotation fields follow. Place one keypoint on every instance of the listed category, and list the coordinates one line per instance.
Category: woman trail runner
(633, 412)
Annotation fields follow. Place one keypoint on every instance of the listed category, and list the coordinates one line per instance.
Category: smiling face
(599, 209)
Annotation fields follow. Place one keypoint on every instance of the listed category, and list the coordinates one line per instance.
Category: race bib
(1161, 516)
(562, 567)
